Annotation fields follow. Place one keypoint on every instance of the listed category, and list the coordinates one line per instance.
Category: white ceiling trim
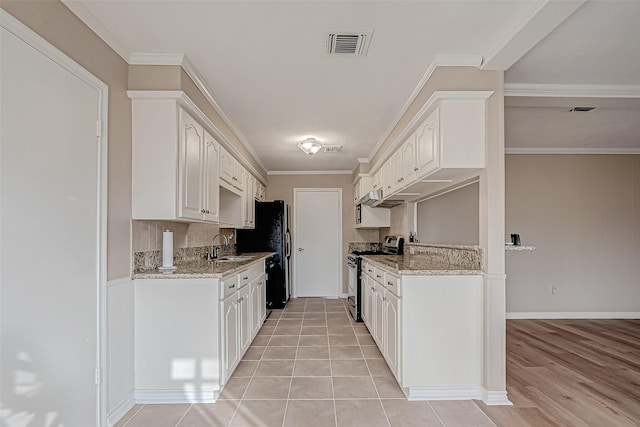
(572, 91)
(209, 95)
(528, 31)
(551, 150)
(140, 58)
(96, 26)
(438, 61)
(338, 172)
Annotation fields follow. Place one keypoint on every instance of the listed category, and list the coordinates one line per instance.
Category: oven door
(352, 300)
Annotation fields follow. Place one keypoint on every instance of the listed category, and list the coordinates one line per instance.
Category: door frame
(38, 43)
(338, 249)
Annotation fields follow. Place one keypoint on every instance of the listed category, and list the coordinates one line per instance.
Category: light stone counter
(416, 265)
(203, 269)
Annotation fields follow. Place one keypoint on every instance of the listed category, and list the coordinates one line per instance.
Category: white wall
(451, 218)
(583, 214)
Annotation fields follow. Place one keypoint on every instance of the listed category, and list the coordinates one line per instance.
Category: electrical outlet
(554, 289)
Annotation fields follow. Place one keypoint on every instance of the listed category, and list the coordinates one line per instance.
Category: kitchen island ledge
(418, 265)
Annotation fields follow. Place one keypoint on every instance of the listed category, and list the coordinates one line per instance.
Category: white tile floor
(311, 366)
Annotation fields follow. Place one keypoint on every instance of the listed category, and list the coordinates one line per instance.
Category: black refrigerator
(271, 234)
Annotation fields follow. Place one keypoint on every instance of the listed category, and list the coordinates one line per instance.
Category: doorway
(317, 252)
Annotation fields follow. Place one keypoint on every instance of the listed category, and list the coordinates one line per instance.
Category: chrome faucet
(214, 251)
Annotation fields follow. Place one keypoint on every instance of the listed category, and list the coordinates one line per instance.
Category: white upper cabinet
(452, 139)
(427, 137)
(211, 181)
(445, 146)
(199, 193)
(174, 164)
(397, 170)
(249, 201)
(409, 161)
(231, 170)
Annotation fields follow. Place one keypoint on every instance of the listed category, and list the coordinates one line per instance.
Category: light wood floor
(571, 373)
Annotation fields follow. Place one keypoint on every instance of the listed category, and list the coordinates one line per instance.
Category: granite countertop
(415, 265)
(203, 269)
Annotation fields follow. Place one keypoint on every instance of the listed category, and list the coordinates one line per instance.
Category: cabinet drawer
(228, 286)
(378, 275)
(392, 283)
(368, 269)
(250, 273)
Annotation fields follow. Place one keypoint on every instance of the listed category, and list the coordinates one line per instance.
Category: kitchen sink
(234, 258)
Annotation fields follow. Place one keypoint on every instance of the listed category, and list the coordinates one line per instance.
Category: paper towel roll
(167, 248)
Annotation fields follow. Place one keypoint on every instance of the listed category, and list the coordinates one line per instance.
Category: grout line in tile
(134, 415)
(436, 413)
(183, 415)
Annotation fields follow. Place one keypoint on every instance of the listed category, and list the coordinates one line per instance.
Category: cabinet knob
(245, 277)
(378, 276)
(389, 283)
(232, 286)
(415, 169)
(202, 211)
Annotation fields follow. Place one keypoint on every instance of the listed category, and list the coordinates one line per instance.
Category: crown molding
(572, 91)
(209, 95)
(438, 61)
(81, 11)
(555, 150)
(316, 172)
(140, 58)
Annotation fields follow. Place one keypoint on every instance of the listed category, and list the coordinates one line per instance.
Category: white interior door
(51, 227)
(318, 236)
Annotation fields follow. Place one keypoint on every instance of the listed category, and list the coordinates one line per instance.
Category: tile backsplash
(147, 235)
(191, 241)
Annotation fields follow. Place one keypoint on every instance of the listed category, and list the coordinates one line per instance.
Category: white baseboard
(119, 411)
(444, 393)
(495, 398)
(574, 315)
(176, 396)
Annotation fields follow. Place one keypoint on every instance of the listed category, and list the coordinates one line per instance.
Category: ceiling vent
(348, 43)
(582, 109)
(331, 148)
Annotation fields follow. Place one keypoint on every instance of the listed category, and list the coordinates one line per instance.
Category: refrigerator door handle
(288, 245)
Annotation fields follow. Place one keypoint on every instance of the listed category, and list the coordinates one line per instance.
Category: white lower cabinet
(230, 335)
(190, 334)
(429, 330)
(391, 316)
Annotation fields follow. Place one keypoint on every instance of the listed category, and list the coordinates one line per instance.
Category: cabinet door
(391, 333)
(396, 170)
(211, 202)
(427, 145)
(230, 335)
(364, 300)
(409, 161)
(248, 202)
(356, 192)
(256, 312)
(378, 308)
(262, 311)
(238, 175)
(227, 163)
(244, 319)
(191, 143)
(387, 178)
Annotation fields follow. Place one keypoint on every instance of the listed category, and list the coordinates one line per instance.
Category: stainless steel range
(392, 245)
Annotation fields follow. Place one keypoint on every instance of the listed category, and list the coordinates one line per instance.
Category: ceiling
(265, 63)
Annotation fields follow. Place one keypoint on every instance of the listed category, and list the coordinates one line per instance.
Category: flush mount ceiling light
(310, 146)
